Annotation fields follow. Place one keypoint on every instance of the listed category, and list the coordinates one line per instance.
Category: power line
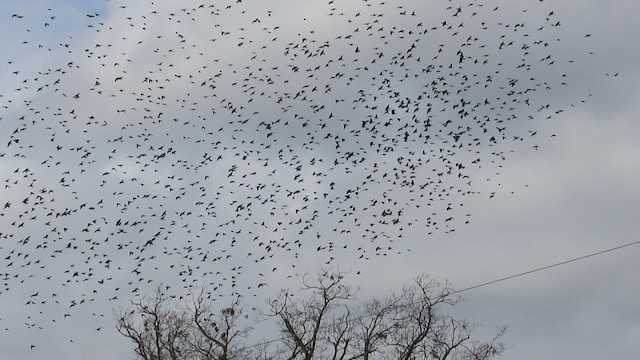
(546, 267)
(489, 282)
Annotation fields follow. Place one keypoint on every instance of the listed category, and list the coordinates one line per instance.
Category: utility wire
(546, 267)
(490, 282)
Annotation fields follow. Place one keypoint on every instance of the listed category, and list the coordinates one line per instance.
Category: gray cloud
(573, 195)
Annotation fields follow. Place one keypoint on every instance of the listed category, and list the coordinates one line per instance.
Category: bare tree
(161, 333)
(214, 335)
(373, 326)
(422, 330)
(320, 320)
(404, 326)
(161, 330)
(303, 321)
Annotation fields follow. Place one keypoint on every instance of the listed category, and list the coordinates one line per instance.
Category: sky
(242, 143)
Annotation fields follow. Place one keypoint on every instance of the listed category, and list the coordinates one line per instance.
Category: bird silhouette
(152, 151)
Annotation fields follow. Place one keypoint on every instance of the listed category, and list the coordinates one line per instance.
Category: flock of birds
(226, 142)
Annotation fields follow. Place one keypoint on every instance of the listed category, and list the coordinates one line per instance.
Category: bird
(218, 156)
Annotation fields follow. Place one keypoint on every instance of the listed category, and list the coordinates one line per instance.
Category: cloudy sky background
(575, 195)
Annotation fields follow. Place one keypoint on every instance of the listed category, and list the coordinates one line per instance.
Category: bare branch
(319, 322)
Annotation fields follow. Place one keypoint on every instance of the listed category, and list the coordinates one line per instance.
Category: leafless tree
(161, 333)
(404, 326)
(216, 336)
(303, 321)
(161, 330)
(319, 320)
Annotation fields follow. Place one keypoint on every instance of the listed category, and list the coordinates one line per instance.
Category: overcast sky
(146, 142)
